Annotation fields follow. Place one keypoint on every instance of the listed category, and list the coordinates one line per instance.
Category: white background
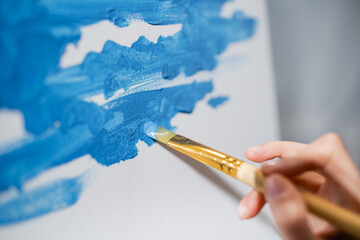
(316, 46)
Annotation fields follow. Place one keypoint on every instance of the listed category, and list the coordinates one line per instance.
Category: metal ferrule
(206, 155)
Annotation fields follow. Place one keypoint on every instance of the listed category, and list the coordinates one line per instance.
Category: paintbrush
(343, 219)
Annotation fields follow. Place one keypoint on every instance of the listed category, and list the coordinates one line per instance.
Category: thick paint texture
(62, 123)
(217, 101)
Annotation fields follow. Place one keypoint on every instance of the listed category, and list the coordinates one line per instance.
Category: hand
(324, 167)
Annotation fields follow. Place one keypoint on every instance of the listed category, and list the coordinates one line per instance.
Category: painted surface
(157, 194)
(99, 106)
(54, 196)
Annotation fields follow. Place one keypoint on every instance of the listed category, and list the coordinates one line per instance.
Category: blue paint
(217, 101)
(50, 149)
(64, 126)
(54, 196)
(112, 147)
(150, 129)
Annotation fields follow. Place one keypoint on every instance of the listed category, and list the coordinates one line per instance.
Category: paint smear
(94, 36)
(62, 124)
(217, 101)
(54, 196)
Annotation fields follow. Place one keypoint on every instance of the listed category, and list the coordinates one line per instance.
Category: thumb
(288, 208)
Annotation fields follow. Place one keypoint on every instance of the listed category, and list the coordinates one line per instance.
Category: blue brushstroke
(217, 101)
(54, 196)
(33, 36)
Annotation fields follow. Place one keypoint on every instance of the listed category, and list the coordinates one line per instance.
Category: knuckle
(326, 146)
(333, 139)
(321, 154)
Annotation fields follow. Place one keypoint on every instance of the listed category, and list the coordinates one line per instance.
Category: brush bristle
(158, 133)
(150, 129)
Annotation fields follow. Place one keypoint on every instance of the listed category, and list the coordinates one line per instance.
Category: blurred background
(316, 51)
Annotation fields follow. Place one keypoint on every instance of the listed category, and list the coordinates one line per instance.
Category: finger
(251, 205)
(328, 154)
(288, 208)
(271, 150)
(320, 227)
(288, 166)
(309, 180)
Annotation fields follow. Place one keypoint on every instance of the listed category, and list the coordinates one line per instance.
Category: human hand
(324, 167)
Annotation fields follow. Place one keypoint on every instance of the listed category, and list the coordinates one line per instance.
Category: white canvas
(161, 194)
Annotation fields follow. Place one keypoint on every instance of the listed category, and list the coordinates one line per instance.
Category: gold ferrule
(206, 155)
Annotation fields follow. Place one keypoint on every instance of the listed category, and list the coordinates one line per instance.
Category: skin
(323, 167)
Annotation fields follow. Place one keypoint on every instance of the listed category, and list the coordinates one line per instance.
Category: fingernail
(254, 150)
(274, 186)
(243, 212)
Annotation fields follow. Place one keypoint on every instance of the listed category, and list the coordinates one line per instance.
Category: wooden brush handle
(342, 218)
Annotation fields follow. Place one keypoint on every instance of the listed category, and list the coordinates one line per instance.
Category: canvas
(80, 80)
